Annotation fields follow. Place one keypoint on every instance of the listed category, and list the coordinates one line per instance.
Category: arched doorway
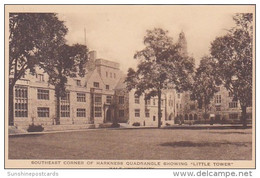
(195, 117)
(218, 116)
(190, 117)
(170, 117)
(108, 115)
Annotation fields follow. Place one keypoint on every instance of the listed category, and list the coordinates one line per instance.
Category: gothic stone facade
(98, 97)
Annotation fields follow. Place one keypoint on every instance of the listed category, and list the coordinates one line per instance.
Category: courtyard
(138, 144)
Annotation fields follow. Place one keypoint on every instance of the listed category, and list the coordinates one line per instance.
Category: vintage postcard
(130, 86)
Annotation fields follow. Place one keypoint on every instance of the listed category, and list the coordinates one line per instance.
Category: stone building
(98, 97)
(88, 99)
(223, 109)
(131, 108)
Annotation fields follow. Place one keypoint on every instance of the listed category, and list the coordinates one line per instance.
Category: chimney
(92, 57)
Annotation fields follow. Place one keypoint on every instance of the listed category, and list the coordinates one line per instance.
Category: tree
(64, 62)
(158, 62)
(30, 36)
(204, 84)
(233, 54)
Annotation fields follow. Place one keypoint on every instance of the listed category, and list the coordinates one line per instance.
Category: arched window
(186, 117)
(195, 117)
(190, 117)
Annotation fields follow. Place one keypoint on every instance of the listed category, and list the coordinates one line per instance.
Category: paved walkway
(13, 131)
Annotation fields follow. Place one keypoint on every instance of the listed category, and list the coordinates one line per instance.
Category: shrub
(136, 124)
(115, 125)
(35, 128)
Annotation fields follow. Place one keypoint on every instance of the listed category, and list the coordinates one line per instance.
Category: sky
(116, 32)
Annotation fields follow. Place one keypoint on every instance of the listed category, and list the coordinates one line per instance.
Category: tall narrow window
(137, 99)
(121, 100)
(21, 101)
(98, 111)
(98, 104)
(147, 113)
(218, 99)
(98, 99)
(65, 105)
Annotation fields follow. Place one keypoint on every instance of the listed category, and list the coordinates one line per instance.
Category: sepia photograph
(130, 86)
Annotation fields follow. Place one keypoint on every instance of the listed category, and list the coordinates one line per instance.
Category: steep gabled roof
(121, 84)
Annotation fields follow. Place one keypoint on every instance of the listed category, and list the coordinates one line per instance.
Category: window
(40, 77)
(137, 99)
(177, 105)
(154, 102)
(147, 102)
(114, 75)
(98, 111)
(137, 112)
(96, 84)
(81, 112)
(81, 97)
(230, 94)
(43, 94)
(107, 87)
(233, 116)
(180, 106)
(218, 108)
(121, 113)
(106, 74)
(147, 113)
(43, 112)
(110, 74)
(154, 118)
(109, 99)
(218, 99)
(65, 105)
(78, 82)
(121, 100)
(179, 95)
(98, 99)
(21, 101)
(233, 104)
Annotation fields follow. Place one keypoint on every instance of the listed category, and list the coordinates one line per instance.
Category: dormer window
(96, 84)
(40, 77)
(78, 82)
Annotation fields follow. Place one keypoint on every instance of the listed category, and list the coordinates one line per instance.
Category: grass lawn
(154, 144)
